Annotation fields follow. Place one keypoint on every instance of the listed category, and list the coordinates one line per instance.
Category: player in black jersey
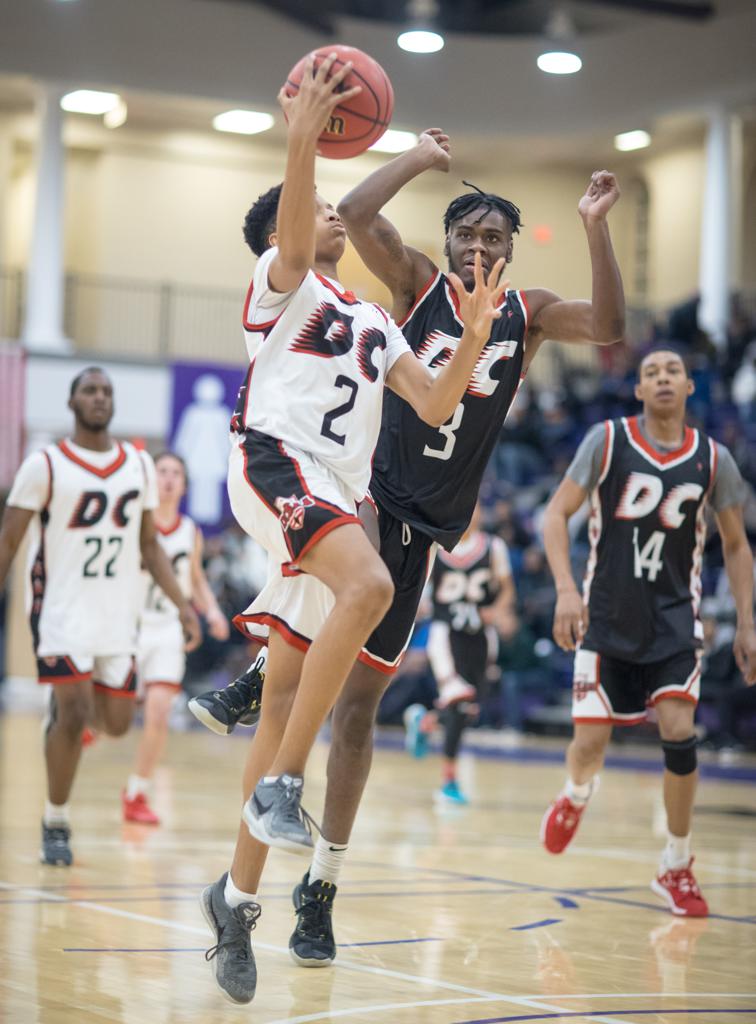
(473, 594)
(636, 630)
(425, 481)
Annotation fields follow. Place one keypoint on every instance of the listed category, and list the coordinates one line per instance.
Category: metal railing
(150, 320)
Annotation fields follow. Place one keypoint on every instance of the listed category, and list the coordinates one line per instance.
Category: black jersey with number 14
(429, 477)
(647, 531)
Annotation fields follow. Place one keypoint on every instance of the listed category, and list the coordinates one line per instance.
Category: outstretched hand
(570, 620)
(479, 308)
(319, 94)
(434, 143)
(600, 196)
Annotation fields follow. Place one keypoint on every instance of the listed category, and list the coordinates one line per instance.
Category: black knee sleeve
(680, 755)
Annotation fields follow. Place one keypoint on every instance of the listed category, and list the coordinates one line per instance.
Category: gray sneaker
(275, 816)
(232, 959)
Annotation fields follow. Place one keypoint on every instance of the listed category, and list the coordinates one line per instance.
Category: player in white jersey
(160, 652)
(307, 422)
(89, 500)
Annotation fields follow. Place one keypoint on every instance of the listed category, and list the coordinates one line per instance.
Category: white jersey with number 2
(318, 362)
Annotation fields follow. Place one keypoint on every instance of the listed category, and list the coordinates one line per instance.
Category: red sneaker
(560, 824)
(679, 889)
(138, 809)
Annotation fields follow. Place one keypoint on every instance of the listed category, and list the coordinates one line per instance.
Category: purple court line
(536, 924)
(592, 1013)
(567, 903)
(384, 942)
(582, 893)
(734, 773)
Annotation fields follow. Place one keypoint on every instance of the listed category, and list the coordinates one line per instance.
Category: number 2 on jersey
(447, 431)
(341, 381)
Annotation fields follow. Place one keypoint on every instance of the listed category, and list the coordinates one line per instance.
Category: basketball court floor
(443, 916)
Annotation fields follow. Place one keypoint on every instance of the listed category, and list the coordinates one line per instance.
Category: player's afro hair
(476, 200)
(261, 220)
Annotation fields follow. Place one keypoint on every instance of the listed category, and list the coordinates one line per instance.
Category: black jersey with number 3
(429, 476)
(647, 531)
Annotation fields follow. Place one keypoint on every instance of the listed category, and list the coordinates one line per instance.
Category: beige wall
(168, 207)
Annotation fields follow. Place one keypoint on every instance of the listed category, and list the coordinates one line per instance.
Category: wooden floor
(442, 916)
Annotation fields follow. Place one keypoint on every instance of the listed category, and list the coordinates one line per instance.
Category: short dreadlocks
(470, 201)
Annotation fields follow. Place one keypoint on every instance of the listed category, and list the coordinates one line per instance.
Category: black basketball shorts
(606, 689)
(409, 556)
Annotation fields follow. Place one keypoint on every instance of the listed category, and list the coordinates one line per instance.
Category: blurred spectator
(536, 596)
(723, 688)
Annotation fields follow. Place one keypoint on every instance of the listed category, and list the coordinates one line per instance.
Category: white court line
(349, 965)
(471, 995)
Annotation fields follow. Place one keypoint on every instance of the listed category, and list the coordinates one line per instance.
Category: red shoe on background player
(679, 888)
(137, 809)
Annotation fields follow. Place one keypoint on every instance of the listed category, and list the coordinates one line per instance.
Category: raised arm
(306, 113)
(602, 320)
(738, 562)
(402, 269)
(570, 614)
(158, 565)
(434, 398)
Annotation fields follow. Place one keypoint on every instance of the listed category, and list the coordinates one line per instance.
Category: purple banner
(204, 395)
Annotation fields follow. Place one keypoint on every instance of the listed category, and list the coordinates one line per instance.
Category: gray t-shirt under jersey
(585, 468)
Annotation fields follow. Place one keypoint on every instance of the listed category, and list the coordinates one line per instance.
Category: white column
(718, 241)
(43, 327)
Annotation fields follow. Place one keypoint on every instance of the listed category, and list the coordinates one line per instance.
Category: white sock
(57, 814)
(327, 860)
(234, 896)
(578, 793)
(676, 853)
(267, 779)
(261, 660)
(136, 785)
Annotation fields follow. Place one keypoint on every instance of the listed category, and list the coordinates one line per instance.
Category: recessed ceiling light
(420, 41)
(394, 141)
(559, 62)
(244, 122)
(117, 115)
(89, 101)
(626, 141)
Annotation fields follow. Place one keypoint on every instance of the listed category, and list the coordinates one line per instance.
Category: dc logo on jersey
(438, 348)
(292, 511)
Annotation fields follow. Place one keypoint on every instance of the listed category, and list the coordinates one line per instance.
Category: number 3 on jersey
(447, 431)
(650, 557)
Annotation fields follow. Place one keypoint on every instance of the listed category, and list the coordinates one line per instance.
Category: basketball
(356, 125)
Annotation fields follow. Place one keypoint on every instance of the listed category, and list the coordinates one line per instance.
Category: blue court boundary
(529, 755)
(595, 1013)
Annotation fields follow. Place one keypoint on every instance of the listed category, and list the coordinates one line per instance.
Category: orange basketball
(357, 124)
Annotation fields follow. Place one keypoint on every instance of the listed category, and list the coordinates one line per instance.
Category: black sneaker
(55, 845)
(312, 943)
(232, 959)
(239, 704)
